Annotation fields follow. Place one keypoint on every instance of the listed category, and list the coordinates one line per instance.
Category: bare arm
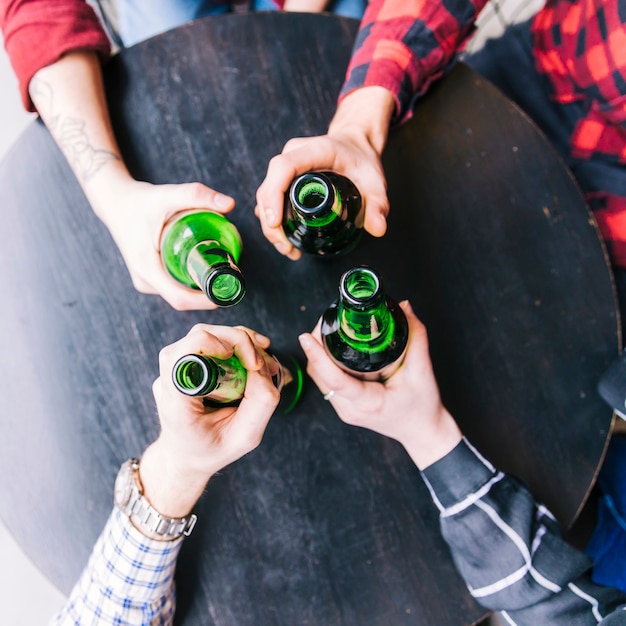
(69, 95)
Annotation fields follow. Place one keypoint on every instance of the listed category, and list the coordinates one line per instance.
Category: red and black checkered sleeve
(39, 32)
(581, 47)
(403, 45)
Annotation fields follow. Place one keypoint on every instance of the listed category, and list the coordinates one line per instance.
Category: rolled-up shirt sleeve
(403, 45)
(37, 33)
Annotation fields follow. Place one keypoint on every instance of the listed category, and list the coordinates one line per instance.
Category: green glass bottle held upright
(323, 214)
(201, 249)
(222, 382)
(365, 332)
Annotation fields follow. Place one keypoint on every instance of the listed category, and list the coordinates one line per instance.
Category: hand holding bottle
(196, 441)
(135, 214)
(352, 148)
(406, 407)
(69, 96)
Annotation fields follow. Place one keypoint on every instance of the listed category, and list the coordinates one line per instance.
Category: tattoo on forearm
(84, 158)
(70, 134)
(41, 94)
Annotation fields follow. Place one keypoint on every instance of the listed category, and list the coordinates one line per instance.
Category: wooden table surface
(323, 524)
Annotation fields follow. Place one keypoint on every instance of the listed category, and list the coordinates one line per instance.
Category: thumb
(376, 211)
(328, 376)
(198, 196)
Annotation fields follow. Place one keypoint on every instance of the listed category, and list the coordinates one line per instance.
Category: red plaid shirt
(404, 45)
(580, 45)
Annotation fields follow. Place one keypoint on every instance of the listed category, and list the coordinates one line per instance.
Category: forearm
(69, 96)
(365, 113)
(509, 549)
(37, 33)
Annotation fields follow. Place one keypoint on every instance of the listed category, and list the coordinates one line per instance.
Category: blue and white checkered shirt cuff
(129, 580)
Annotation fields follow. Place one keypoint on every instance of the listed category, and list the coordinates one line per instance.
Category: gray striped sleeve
(510, 550)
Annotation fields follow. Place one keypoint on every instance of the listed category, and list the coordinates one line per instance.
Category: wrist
(170, 487)
(365, 113)
(106, 189)
(425, 446)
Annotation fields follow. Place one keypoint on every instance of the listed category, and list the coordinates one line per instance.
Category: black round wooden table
(323, 524)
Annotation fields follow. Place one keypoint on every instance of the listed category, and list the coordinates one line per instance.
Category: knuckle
(176, 303)
(141, 285)
(292, 144)
(281, 166)
(196, 192)
(250, 440)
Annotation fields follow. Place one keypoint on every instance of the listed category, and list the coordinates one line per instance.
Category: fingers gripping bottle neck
(323, 214)
(201, 249)
(365, 332)
(222, 382)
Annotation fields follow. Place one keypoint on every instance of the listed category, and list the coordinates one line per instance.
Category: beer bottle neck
(365, 320)
(315, 200)
(221, 380)
(215, 272)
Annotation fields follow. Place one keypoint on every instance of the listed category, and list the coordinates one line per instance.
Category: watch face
(123, 485)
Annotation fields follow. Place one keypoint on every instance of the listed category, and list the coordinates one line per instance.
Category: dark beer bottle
(365, 332)
(323, 214)
(201, 249)
(222, 382)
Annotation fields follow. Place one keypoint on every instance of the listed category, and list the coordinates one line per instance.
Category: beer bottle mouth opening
(226, 287)
(360, 286)
(191, 375)
(310, 194)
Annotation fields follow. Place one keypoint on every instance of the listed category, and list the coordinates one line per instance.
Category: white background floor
(26, 597)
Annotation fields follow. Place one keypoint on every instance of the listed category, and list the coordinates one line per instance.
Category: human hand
(135, 214)
(352, 147)
(406, 407)
(196, 441)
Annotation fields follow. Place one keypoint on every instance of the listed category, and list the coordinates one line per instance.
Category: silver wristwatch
(130, 500)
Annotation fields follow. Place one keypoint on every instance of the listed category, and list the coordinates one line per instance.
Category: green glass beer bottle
(222, 382)
(323, 214)
(365, 332)
(201, 249)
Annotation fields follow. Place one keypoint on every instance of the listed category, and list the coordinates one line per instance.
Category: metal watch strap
(145, 517)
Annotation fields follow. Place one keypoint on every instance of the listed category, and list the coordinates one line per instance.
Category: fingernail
(222, 201)
(305, 341)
